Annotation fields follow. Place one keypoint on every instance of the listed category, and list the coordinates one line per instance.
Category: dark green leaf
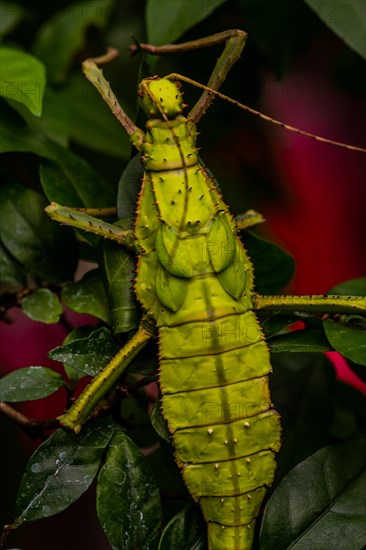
(146, 362)
(92, 123)
(23, 78)
(320, 503)
(35, 241)
(89, 355)
(347, 338)
(347, 20)
(272, 29)
(158, 421)
(167, 21)
(128, 503)
(302, 388)
(128, 188)
(167, 474)
(185, 530)
(119, 267)
(67, 178)
(11, 13)
(55, 120)
(42, 305)
(88, 296)
(29, 383)
(61, 470)
(350, 412)
(308, 340)
(63, 35)
(10, 269)
(134, 414)
(16, 136)
(76, 334)
(278, 323)
(354, 287)
(273, 267)
(71, 181)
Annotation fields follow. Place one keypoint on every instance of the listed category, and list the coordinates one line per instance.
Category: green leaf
(76, 334)
(134, 413)
(353, 287)
(128, 503)
(92, 123)
(302, 389)
(347, 20)
(42, 305)
(309, 340)
(185, 530)
(11, 271)
(22, 78)
(272, 30)
(55, 120)
(277, 323)
(11, 13)
(61, 470)
(88, 296)
(273, 267)
(128, 188)
(347, 338)
(29, 383)
(89, 355)
(67, 179)
(118, 267)
(167, 21)
(46, 250)
(63, 35)
(158, 421)
(321, 502)
(71, 181)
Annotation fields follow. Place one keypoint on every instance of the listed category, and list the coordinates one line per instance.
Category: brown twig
(33, 428)
(141, 383)
(5, 534)
(9, 300)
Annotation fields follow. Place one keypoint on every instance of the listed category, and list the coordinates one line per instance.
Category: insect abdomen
(195, 280)
(225, 431)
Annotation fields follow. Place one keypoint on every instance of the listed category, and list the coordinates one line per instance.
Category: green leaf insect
(195, 284)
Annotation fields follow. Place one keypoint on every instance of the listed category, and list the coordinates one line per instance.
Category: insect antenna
(176, 76)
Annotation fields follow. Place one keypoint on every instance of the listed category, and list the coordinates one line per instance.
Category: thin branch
(33, 428)
(5, 534)
(141, 383)
(9, 300)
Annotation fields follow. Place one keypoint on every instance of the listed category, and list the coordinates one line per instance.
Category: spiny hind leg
(315, 304)
(250, 218)
(79, 413)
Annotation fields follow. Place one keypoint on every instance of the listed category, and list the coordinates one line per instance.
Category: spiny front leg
(315, 304)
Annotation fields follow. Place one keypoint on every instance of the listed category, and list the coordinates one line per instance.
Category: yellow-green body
(195, 280)
(195, 283)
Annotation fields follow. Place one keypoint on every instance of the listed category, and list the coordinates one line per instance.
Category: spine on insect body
(196, 280)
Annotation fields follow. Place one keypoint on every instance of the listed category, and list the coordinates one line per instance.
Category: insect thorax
(169, 145)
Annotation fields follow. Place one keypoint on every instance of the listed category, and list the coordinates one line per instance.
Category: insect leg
(249, 219)
(78, 414)
(95, 75)
(78, 218)
(235, 42)
(316, 304)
